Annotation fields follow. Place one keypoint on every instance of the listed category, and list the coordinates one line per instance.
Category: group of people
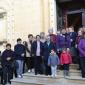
(43, 54)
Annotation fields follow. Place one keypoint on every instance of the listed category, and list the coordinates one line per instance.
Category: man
(37, 51)
(19, 50)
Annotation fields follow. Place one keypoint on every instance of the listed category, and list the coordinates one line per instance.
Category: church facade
(18, 18)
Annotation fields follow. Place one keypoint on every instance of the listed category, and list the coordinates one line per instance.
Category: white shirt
(29, 47)
(38, 49)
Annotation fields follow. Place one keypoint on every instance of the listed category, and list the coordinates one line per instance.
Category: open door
(74, 20)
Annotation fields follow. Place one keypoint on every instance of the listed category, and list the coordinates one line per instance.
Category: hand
(23, 55)
(9, 58)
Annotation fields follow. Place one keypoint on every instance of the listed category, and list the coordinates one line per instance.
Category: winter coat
(53, 60)
(65, 58)
(81, 47)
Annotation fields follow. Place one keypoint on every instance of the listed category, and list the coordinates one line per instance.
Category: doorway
(74, 20)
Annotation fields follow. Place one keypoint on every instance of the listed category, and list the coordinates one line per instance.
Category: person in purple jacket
(63, 40)
(81, 47)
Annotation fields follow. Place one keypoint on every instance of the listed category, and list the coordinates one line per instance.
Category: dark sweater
(19, 49)
(5, 55)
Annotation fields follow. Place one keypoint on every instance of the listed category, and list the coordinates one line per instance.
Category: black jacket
(34, 48)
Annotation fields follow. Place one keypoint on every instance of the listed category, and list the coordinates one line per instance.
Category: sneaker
(52, 76)
(8, 84)
(29, 71)
(56, 75)
(19, 76)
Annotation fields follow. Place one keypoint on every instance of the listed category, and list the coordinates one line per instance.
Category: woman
(81, 47)
(6, 62)
(29, 59)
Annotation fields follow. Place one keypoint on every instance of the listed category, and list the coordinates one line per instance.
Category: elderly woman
(81, 47)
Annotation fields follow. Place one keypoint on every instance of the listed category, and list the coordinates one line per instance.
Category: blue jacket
(47, 50)
(53, 60)
(18, 50)
(73, 36)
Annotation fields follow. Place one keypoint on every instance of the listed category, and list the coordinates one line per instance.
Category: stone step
(34, 81)
(48, 81)
(74, 66)
(27, 75)
(71, 72)
(59, 73)
(76, 79)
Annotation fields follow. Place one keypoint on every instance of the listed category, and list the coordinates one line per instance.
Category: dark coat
(47, 50)
(73, 36)
(18, 50)
(34, 48)
(5, 55)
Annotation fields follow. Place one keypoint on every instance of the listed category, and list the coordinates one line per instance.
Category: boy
(19, 50)
(53, 61)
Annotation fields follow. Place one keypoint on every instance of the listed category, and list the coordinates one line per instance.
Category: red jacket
(65, 58)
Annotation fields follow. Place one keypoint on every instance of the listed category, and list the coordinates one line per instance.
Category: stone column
(53, 15)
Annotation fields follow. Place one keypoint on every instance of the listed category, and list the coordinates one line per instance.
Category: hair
(37, 36)
(64, 49)
(8, 44)
(30, 35)
(25, 43)
(19, 39)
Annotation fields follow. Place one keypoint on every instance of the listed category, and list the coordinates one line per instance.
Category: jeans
(54, 70)
(66, 69)
(20, 68)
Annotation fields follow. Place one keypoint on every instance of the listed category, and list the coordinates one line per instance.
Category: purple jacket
(63, 41)
(81, 47)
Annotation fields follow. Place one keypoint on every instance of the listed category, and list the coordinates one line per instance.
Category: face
(19, 42)
(71, 29)
(8, 47)
(38, 38)
(48, 38)
(79, 33)
(52, 51)
(58, 32)
(67, 30)
(63, 31)
(50, 31)
(42, 35)
(30, 38)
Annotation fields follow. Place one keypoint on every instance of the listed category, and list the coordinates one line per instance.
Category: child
(65, 60)
(53, 61)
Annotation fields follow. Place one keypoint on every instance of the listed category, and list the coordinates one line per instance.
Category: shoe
(29, 71)
(52, 76)
(19, 76)
(56, 75)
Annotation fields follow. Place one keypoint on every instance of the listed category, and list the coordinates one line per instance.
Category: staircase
(31, 79)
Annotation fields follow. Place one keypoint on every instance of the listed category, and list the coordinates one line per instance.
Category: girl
(65, 60)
